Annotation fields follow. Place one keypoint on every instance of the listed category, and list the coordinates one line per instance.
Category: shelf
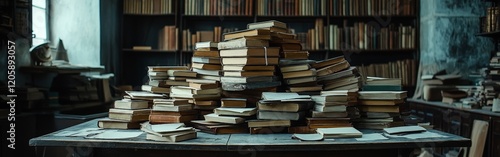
(218, 17)
(374, 16)
(131, 14)
(152, 51)
(286, 18)
(377, 51)
(490, 34)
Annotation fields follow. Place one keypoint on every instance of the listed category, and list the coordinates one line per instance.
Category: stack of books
(206, 60)
(172, 111)
(279, 111)
(249, 64)
(299, 77)
(331, 109)
(381, 109)
(159, 80)
(174, 132)
(337, 74)
(126, 114)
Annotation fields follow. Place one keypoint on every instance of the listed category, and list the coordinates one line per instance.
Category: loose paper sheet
(115, 134)
(372, 137)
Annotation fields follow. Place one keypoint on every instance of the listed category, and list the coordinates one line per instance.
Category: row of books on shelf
(148, 6)
(490, 22)
(278, 7)
(218, 7)
(372, 7)
(404, 69)
(365, 36)
(190, 38)
(291, 7)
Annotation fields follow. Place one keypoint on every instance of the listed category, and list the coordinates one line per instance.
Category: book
(172, 138)
(317, 114)
(351, 71)
(382, 95)
(379, 108)
(264, 24)
(331, 97)
(295, 55)
(128, 117)
(218, 128)
(328, 62)
(235, 111)
(177, 108)
(404, 129)
(341, 132)
(333, 68)
(275, 115)
(206, 66)
(336, 108)
(268, 123)
(224, 119)
(131, 112)
(130, 104)
(193, 91)
(233, 102)
(225, 79)
(141, 48)
(248, 73)
(370, 80)
(243, 33)
(154, 89)
(157, 73)
(248, 68)
(297, 74)
(181, 73)
(205, 44)
(284, 107)
(306, 88)
(196, 96)
(173, 102)
(242, 43)
(381, 102)
(292, 68)
(107, 123)
(250, 61)
(207, 72)
(206, 60)
(166, 68)
(162, 119)
(174, 113)
(300, 80)
(202, 81)
(200, 86)
(251, 52)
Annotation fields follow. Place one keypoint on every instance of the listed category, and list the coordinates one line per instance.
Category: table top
(239, 142)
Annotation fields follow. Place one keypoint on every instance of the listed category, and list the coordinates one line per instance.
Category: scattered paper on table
(372, 137)
(166, 127)
(421, 135)
(115, 134)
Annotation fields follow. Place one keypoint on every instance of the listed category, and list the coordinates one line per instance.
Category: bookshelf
(15, 18)
(388, 30)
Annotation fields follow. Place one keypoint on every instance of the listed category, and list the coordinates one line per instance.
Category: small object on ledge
(40, 54)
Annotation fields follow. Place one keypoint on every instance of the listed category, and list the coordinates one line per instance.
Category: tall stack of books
(172, 111)
(279, 111)
(206, 62)
(331, 109)
(249, 64)
(337, 74)
(174, 132)
(126, 114)
(381, 109)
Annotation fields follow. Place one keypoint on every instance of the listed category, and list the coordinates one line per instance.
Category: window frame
(47, 22)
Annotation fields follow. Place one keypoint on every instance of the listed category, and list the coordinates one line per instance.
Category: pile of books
(381, 109)
(278, 111)
(172, 111)
(174, 132)
(331, 109)
(126, 114)
(337, 74)
(159, 79)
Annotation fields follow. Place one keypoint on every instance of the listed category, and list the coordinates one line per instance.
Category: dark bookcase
(387, 29)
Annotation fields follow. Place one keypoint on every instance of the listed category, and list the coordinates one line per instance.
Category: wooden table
(240, 145)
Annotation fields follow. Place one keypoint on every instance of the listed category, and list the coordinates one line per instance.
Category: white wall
(76, 22)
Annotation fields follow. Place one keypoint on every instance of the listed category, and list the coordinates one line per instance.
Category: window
(39, 21)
